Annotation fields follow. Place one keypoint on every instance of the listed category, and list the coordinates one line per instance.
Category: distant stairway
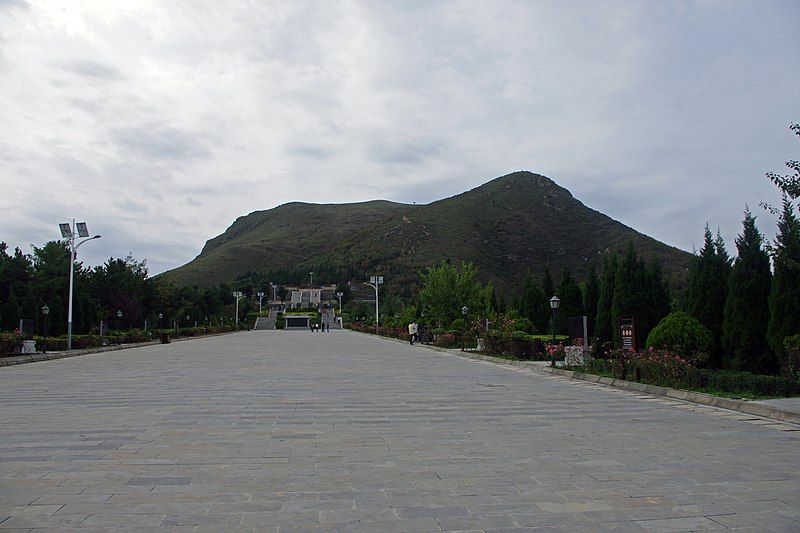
(267, 322)
(329, 319)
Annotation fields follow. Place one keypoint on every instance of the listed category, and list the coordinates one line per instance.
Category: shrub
(678, 332)
(790, 359)
(9, 341)
(445, 340)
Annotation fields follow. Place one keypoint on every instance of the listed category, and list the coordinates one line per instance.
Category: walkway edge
(751, 408)
(51, 356)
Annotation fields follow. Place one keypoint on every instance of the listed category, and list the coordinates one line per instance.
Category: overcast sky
(160, 122)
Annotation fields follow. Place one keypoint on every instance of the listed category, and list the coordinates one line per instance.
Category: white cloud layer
(160, 122)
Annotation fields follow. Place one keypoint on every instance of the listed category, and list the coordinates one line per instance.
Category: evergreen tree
(744, 329)
(590, 298)
(708, 289)
(784, 297)
(656, 297)
(571, 300)
(534, 306)
(548, 287)
(604, 328)
(641, 293)
(629, 279)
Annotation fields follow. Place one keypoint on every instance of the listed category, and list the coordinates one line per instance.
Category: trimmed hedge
(520, 345)
(699, 379)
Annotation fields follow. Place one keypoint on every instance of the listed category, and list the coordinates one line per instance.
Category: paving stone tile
(280, 430)
(695, 523)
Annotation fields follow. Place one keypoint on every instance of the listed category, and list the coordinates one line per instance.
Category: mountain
(512, 225)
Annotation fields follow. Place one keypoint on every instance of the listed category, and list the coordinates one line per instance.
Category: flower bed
(10, 341)
(667, 369)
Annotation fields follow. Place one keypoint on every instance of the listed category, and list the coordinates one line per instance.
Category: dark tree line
(30, 281)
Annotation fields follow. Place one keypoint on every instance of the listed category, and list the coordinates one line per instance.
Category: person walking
(412, 332)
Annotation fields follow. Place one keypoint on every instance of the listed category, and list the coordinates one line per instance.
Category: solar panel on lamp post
(70, 232)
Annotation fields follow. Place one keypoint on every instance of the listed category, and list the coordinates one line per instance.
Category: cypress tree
(571, 300)
(656, 297)
(744, 329)
(590, 297)
(627, 291)
(784, 297)
(708, 289)
(604, 329)
(534, 305)
(548, 287)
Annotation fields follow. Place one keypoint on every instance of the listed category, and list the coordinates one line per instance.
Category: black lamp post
(464, 311)
(119, 325)
(45, 312)
(554, 303)
(160, 316)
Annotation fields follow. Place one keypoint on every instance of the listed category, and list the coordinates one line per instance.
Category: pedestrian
(412, 332)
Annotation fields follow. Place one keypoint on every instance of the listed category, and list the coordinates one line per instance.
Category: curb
(50, 356)
(750, 408)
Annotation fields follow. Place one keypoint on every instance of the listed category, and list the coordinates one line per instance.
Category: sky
(160, 122)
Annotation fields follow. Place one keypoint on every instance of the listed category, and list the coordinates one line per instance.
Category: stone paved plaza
(300, 431)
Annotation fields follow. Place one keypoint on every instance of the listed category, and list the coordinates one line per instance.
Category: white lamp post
(312, 279)
(374, 282)
(70, 233)
(238, 295)
(260, 297)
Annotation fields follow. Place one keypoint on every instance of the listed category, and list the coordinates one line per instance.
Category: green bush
(681, 333)
(790, 359)
(668, 373)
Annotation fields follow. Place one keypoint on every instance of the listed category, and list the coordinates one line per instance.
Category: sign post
(627, 332)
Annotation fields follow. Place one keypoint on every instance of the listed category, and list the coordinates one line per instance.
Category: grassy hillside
(509, 226)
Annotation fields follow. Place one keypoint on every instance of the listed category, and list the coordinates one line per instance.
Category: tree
(708, 289)
(571, 300)
(547, 283)
(788, 184)
(533, 305)
(604, 327)
(746, 313)
(784, 297)
(590, 298)
(446, 289)
(640, 292)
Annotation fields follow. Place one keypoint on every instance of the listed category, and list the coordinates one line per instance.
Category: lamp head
(554, 302)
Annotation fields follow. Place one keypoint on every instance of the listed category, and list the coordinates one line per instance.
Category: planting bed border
(50, 356)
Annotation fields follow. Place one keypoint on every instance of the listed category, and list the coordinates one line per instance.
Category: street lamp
(238, 295)
(464, 311)
(260, 297)
(119, 325)
(70, 233)
(274, 289)
(554, 303)
(312, 279)
(375, 282)
(160, 316)
(45, 312)
(339, 295)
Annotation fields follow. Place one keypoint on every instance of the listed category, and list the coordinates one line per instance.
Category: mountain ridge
(518, 223)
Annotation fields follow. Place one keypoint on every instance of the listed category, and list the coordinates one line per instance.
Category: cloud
(161, 122)
(94, 70)
(160, 142)
(399, 152)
